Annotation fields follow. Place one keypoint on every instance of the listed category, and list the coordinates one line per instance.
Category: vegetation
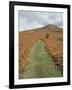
(37, 47)
(41, 64)
(47, 35)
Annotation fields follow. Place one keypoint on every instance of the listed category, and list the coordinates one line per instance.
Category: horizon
(39, 28)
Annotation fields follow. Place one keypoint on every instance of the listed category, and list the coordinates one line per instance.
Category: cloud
(31, 19)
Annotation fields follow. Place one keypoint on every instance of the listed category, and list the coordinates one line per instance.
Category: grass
(41, 64)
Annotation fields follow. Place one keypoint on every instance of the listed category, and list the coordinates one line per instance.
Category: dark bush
(46, 35)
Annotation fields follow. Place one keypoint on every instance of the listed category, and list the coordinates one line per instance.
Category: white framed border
(18, 81)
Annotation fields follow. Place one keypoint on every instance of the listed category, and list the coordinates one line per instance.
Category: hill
(51, 35)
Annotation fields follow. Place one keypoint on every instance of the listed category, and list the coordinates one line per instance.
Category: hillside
(51, 35)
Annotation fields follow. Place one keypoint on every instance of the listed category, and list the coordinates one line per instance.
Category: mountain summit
(51, 26)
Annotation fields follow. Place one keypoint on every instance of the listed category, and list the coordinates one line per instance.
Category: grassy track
(41, 64)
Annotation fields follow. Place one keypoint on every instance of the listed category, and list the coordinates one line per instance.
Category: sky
(33, 19)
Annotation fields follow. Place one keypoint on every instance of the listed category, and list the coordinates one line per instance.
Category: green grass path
(41, 64)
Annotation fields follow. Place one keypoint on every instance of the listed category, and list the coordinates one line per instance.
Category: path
(41, 64)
